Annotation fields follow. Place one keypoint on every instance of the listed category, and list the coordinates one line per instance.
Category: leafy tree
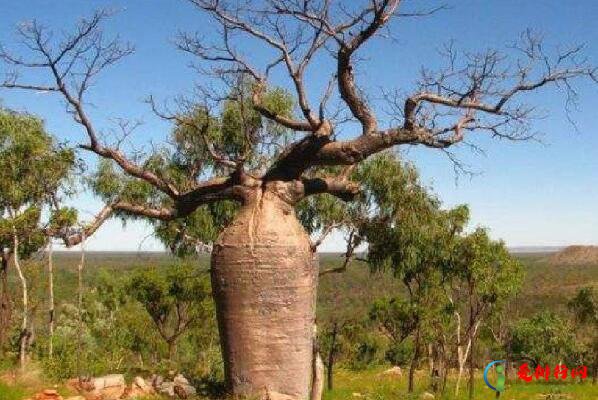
(176, 300)
(546, 338)
(487, 276)
(274, 155)
(584, 307)
(408, 233)
(32, 169)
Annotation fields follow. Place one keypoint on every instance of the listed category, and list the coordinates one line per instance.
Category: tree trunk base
(264, 284)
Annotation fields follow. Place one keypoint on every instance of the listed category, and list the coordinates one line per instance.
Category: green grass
(11, 392)
(374, 385)
(546, 287)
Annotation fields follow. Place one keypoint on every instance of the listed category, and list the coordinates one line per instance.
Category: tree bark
(171, 349)
(5, 302)
(23, 338)
(51, 300)
(414, 361)
(264, 286)
(472, 335)
(472, 367)
(317, 387)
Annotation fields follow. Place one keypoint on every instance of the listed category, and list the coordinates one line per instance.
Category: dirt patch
(575, 255)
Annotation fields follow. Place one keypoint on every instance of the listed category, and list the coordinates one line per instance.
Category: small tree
(32, 169)
(176, 300)
(486, 277)
(584, 307)
(408, 233)
(546, 338)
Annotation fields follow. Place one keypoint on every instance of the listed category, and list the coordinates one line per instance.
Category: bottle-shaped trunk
(264, 284)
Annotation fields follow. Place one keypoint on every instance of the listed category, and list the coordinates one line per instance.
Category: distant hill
(575, 255)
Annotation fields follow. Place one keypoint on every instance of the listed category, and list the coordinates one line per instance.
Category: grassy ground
(11, 392)
(374, 385)
(546, 287)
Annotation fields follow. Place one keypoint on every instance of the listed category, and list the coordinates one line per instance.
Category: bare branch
(341, 188)
(87, 50)
(352, 242)
(323, 235)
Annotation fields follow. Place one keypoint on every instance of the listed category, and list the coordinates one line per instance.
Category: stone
(156, 380)
(47, 394)
(184, 391)
(109, 387)
(180, 380)
(166, 388)
(139, 388)
(426, 396)
(75, 398)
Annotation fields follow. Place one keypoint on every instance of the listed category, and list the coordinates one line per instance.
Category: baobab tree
(263, 275)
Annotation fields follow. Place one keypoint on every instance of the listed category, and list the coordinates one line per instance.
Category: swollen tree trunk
(264, 286)
(24, 334)
(51, 300)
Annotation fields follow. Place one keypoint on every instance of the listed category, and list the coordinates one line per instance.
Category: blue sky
(526, 193)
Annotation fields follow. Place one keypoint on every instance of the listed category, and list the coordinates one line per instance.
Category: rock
(109, 387)
(80, 385)
(139, 388)
(156, 380)
(426, 396)
(357, 395)
(108, 381)
(180, 380)
(75, 398)
(166, 388)
(184, 391)
(395, 371)
(141, 383)
(48, 394)
(180, 392)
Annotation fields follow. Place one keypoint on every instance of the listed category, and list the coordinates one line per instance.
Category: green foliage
(486, 263)
(202, 226)
(32, 168)
(585, 306)
(398, 318)
(176, 299)
(119, 334)
(546, 338)
(63, 218)
(400, 353)
(197, 135)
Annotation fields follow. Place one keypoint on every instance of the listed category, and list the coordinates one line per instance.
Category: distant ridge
(535, 249)
(575, 255)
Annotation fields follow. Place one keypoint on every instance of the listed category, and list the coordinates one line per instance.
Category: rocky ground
(114, 387)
